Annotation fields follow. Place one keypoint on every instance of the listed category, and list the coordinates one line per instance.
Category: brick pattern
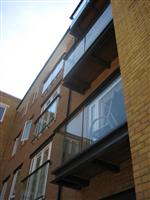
(132, 26)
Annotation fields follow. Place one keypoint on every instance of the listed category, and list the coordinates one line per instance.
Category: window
(3, 108)
(48, 112)
(26, 130)
(35, 95)
(14, 184)
(41, 157)
(35, 184)
(3, 192)
(53, 75)
(16, 143)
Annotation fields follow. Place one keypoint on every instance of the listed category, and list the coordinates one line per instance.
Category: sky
(29, 32)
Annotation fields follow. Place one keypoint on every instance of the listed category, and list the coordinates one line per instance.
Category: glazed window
(26, 130)
(48, 112)
(4, 189)
(53, 75)
(3, 108)
(41, 157)
(35, 184)
(15, 146)
(14, 184)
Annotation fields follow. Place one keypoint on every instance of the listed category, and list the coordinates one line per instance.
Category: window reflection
(95, 121)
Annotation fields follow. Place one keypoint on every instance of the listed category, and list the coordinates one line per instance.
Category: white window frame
(3, 191)
(41, 153)
(13, 185)
(54, 96)
(5, 106)
(23, 138)
(50, 99)
(35, 95)
(33, 164)
(15, 146)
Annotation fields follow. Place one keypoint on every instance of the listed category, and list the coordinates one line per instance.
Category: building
(8, 106)
(82, 129)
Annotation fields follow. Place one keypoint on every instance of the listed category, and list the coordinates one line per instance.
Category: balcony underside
(89, 14)
(94, 61)
(106, 154)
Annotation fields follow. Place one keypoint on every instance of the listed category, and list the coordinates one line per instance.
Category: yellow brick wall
(132, 27)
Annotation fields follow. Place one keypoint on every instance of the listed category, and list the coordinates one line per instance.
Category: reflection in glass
(34, 186)
(99, 118)
(47, 117)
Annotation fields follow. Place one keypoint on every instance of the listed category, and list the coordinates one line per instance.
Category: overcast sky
(29, 32)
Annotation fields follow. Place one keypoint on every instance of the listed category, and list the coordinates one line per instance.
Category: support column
(132, 27)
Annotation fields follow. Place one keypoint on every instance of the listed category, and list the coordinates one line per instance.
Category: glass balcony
(96, 138)
(98, 119)
(35, 184)
(72, 63)
(78, 11)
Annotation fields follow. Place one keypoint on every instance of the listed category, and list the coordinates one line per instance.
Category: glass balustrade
(95, 121)
(88, 40)
(79, 11)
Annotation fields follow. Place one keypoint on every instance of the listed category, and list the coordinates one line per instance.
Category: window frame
(40, 154)
(12, 193)
(54, 97)
(33, 169)
(23, 138)
(15, 145)
(4, 190)
(5, 106)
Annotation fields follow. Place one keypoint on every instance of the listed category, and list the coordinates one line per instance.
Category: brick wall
(132, 26)
(7, 130)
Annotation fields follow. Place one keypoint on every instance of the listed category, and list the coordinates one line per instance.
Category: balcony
(85, 14)
(96, 138)
(34, 185)
(92, 55)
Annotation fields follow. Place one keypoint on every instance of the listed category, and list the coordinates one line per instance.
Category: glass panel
(26, 131)
(53, 75)
(3, 192)
(88, 40)
(46, 154)
(2, 109)
(80, 9)
(74, 57)
(98, 27)
(47, 117)
(15, 146)
(14, 184)
(73, 137)
(34, 186)
(99, 118)
(110, 113)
